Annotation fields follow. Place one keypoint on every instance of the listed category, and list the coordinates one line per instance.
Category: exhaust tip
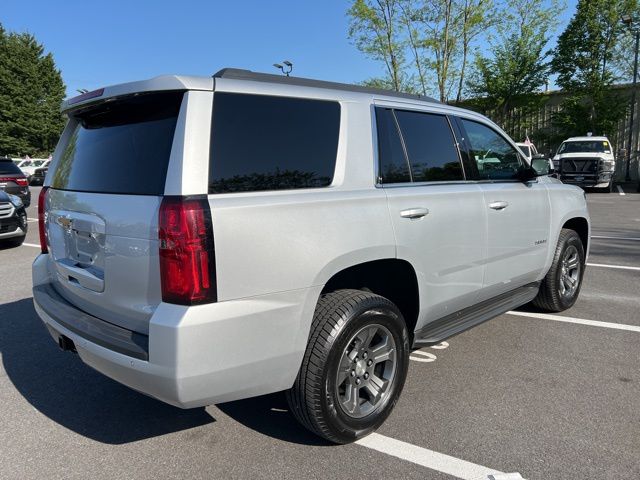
(66, 344)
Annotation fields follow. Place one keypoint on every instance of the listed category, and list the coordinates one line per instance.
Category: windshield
(585, 146)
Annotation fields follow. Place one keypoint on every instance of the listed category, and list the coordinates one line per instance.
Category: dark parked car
(13, 220)
(38, 176)
(13, 181)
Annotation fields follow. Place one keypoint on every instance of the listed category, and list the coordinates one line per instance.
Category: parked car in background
(29, 166)
(39, 175)
(586, 162)
(13, 220)
(13, 181)
(338, 247)
(535, 158)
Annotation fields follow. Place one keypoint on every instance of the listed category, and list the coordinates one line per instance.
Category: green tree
(31, 90)
(516, 69)
(375, 29)
(423, 44)
(584, 61)
(477, 17)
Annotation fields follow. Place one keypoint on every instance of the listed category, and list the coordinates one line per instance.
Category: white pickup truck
(586, 162)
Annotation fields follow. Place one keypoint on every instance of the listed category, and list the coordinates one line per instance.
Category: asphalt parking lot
(547, 397)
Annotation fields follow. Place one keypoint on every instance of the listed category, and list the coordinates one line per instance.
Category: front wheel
(354, 368)
(560, 287)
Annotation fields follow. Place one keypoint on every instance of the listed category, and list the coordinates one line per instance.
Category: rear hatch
(102, 207)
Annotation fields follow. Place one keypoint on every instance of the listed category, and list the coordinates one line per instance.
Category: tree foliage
(584, 60)
(516, 68)
(423, 44)
(376, 31)
(31, 90)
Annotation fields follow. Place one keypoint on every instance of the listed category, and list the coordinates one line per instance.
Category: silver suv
(211, 239)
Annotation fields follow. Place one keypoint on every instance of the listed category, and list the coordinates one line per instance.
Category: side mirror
(526, 174)
(541, 166)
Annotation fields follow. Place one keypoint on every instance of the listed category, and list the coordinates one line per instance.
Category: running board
(458, 322)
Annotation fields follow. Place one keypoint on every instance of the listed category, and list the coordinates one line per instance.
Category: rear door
(518, 213)
(438, 217)
(102, 206)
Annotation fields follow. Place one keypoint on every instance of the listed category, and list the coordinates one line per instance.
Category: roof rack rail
(240, 74)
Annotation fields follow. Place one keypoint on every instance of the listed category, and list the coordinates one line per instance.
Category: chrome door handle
(498, 205)
(414, 212)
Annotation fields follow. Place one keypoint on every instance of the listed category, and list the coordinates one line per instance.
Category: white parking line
(637, 239)
(32, 219)
(621, 267)
(30, 245)
(581, 321)
(620, 190)
(427, 458)
(418, 354)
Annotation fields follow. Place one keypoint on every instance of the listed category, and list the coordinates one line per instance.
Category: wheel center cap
(361, 367)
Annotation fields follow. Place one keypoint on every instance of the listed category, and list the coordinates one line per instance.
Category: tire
(12, 242)
(557, 292)
(342, 322)
(608, 188)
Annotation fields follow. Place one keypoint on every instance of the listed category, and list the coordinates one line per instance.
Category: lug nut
(365, 355)
(358, 381)
(369, 363)
(353, 373)
(366, 376)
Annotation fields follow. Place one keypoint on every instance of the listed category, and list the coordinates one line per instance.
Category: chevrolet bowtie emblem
(65, 222)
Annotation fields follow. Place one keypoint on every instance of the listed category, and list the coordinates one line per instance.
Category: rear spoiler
(156, 84)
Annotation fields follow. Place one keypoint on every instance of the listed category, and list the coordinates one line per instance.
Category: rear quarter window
(121, 147)
(261, 142)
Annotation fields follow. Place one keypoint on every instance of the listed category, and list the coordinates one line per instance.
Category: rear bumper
(197, 355)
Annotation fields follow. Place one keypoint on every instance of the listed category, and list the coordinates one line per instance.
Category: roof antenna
(286, 69)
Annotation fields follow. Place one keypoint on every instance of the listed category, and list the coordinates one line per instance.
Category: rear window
(263, 142)
(121, 147)
(7, 167)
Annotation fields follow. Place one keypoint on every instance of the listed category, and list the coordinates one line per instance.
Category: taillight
(18, 180)
(42, 200)
(187, 260)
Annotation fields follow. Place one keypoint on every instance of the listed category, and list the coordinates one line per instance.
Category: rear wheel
(354, 368)
(560, 287)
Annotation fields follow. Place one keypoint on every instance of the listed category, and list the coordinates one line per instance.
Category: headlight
(15, 200)
(608, 164)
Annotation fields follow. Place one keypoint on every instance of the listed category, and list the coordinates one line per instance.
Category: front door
(518, 212)
(439, 219)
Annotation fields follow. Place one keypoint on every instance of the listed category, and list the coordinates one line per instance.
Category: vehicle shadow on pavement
(269, 415)
(70, 393)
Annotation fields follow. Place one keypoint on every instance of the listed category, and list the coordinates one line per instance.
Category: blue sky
(113, 41)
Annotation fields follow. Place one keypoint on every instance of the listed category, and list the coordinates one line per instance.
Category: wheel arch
(580, 225)
(391, 278)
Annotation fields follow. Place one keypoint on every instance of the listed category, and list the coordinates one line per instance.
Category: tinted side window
(393, 163)
(494, 156)
(262, 142)
(430, 146)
